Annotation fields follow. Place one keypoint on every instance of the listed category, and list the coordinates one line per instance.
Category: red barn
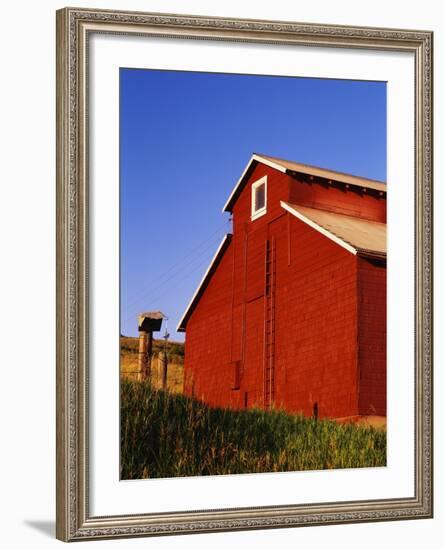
(291, 312)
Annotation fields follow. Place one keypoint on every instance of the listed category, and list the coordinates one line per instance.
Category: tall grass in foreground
(166, 435)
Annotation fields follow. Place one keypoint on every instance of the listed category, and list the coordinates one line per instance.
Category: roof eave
(319, 228)
(363, 252)
(371, 254)
(348, 180)
(228, 207)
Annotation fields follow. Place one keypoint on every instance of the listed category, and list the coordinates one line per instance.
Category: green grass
(166, 435)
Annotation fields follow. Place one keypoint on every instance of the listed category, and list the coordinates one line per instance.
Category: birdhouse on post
(148, 323)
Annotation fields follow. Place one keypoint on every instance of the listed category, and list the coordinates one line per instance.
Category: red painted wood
(352, 202)
(329, 311)
(372, 337)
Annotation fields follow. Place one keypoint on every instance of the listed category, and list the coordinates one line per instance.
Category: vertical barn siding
(316, 330)
(278, 189)
(372, 337)
(255, 261)
(252, 378)
(208, 368)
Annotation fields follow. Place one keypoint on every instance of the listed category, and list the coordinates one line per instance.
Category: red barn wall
(316, 194)
(278, 189)
(208, 340)
(316, 331)
(352, 202)
(372, 311)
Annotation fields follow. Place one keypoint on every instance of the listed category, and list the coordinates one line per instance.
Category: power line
(185, 257)
(161, 294)
(178, 270)
(172, 274)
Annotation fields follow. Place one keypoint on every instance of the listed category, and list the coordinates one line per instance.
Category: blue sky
(186, 137)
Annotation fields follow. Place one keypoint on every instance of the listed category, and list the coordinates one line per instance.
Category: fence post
(148, 323)
(145, 352)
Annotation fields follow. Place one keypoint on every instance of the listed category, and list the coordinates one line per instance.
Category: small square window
(259, 198)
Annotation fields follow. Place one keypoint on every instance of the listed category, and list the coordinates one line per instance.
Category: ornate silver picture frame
(74, 210)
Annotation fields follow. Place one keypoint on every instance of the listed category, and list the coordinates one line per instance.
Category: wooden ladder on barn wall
(269, 321)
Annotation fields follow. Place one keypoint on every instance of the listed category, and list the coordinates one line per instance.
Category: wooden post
(145, 352)
(148, 322)
(149, 354)
(163, 364)
(142, 354)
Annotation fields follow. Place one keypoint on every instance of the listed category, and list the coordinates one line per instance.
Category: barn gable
(302, 171)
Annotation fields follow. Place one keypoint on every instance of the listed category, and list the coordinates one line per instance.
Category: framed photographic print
(244, 285)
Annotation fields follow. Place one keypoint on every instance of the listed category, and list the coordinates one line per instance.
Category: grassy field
(166, 435)
(129, 347)
(130, 344)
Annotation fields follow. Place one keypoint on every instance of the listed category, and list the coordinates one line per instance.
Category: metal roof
(290, 167)
(204, 282)
(358, 236)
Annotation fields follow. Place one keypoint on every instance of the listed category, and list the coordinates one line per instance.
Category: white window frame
(258, 213)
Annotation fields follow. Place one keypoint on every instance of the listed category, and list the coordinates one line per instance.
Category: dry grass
(379, 422)
(129, 347)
